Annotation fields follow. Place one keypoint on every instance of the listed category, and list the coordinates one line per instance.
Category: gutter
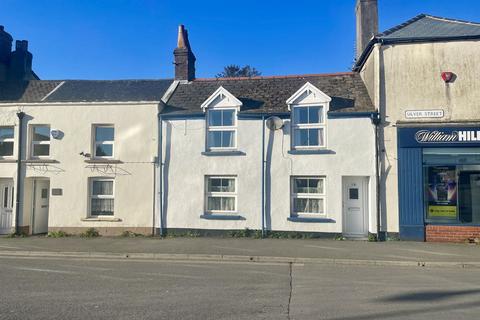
(20, 116)
(364, 114)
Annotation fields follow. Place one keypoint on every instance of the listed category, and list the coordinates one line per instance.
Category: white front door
(41, 192)
(6, 207)
(355, 223)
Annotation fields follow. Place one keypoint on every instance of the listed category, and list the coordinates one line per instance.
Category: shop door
(354, 207)
(40, 208)
(6, 207)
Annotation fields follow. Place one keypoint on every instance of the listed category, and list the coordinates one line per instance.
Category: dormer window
(221, 112)
(308, 124)
(222, 130)
(308, 107)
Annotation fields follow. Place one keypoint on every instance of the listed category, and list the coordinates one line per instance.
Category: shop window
(452, 185)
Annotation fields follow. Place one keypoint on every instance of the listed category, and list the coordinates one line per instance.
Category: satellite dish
(56, 134)
(274, 123)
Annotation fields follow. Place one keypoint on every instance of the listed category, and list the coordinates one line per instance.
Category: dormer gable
(309, 94)
(221, 98)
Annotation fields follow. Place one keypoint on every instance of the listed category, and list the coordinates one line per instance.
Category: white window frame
(320, 125)
(12, 140)
(232, 128)
(92, 196)
(35, 142)
(294, 196)
(96, 143)
(221, 194)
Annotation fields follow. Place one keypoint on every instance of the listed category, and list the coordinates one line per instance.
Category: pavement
(247, 249)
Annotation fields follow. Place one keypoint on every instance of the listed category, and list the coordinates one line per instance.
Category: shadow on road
(433, 295)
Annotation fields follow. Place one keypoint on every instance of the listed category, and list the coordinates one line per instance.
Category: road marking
(170, 275)
(321, 247)
(44, 270)
(85, 267)
(10, 247)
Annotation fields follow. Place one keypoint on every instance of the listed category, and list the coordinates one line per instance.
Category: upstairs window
(6, 142)
(308, 125)
(40, 147)
(222, 130)
(221, 110)
(104, 141)
(309, 107)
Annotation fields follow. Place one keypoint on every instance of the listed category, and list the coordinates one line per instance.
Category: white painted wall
(135, 145)
(350, 139)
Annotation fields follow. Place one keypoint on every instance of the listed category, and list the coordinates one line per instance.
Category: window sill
(311, 151)
(113, 161)
(221, 217)
(105, 219)
(7, 160)
(310, 219)
(40, 161)
(223, 153)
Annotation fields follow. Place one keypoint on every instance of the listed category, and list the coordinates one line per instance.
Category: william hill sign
(439, 137)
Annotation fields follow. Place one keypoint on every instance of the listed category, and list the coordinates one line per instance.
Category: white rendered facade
(188, 162)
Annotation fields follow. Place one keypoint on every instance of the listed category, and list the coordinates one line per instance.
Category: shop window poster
(442, 192)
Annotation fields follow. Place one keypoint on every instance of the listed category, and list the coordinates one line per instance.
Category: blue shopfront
(439, 178)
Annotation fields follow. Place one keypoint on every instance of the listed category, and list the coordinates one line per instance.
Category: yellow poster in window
(442, 211)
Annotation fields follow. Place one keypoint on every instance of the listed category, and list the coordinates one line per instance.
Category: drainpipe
(20, 116)
(160, 165)
(154, 197)
(263, 177)
(376, 119)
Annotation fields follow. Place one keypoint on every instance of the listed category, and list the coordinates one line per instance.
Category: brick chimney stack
(366, 12)
(5, 49)
(184, 57)
(20, 62)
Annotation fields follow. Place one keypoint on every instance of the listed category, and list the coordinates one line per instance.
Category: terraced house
(86, 150)
(291, 153)
(388, 149)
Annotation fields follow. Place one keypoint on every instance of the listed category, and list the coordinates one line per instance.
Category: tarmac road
(66, 288)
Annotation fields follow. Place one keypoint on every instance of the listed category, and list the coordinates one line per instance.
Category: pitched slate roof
(83, 90)
(26, 91)
(105, 91)
(269, 94)
(427, 26)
